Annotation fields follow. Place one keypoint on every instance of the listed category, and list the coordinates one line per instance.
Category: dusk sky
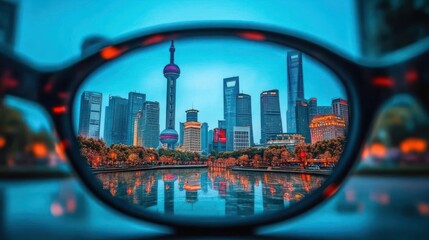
(204, 64)
(50, 33)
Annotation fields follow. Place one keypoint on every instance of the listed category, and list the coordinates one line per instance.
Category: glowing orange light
(153, 39)
(411, 76)
(113, 155)
(110, 52)
(60, 150)
(413, 145)
(40, 150)
(59, 109)
(252, 36)
(56, 209)
(330, 190)
(378, 150)
(423, 209)
(365, 153)
(2, 142)
(381, 81)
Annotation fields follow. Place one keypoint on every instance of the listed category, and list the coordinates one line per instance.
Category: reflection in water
(209, 192)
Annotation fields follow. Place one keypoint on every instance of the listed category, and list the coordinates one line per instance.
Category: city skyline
(210, 109)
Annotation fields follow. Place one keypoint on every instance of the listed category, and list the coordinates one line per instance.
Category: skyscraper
(135, 104)
(204, 138)
(231, 89)
(221, 124)
(340, 108)
(210, 141)
(90, 114)
(295, 84)
(271, 121)
(138, 129)
(244, 113)
(241, 137)
(192, 132)
(181, 132)
(312, 108)
(169, 135)
(150, 124)
(303, 119)
(115, 121)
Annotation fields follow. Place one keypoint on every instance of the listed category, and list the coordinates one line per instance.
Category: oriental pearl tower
(171, 72)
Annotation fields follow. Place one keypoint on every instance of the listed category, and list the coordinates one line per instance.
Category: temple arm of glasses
(18, 78)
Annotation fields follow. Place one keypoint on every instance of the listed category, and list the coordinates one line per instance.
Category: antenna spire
(172, 50)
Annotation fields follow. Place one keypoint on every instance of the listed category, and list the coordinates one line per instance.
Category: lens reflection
(212, 127)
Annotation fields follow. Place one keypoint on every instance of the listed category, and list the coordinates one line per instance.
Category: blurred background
(388, 187)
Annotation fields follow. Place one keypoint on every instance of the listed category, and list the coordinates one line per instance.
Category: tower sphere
(169, 136)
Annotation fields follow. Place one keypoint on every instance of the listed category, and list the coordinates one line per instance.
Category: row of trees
(98, 154)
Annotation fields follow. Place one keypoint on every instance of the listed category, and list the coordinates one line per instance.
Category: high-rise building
(135, 104)
(231, 87)
(219, 139)
(326, 127)
(210, 141)
(169, 135)
(204, 138)
(221, 124)
(295, 84)
(244, 113)
(271, 121)
(340, 108)
(312, 108)
(137, 129)
(192, 115)
(303, 119)
(241, 137)
(181, 132)
(90, 114)
(323, 110)
(115, 121)
(150, 124)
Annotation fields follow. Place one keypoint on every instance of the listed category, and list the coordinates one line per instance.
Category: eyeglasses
(215, 126)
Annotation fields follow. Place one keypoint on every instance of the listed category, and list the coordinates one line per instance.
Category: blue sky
(50, 32)
(204, 63)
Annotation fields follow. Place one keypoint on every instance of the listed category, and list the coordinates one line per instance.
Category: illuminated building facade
(241, 138)
(90, 114)
(271, 121)
(326, 127)
(169, 136)
(295, 86)
(137, 129)
(219, 139)
(290, 140)
(231, 89)
(192, 132)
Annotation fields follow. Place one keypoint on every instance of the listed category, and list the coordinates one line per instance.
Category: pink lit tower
(171, 72)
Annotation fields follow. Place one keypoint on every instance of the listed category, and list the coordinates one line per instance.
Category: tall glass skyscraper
(271, 121)
(135, 104)
(295, 85)
(115, 121)
(231, 89)
(204, 138)
(90, 114)
(150, 122)
(244, 113)
(340, 107)
(303, 119)
(312, 108)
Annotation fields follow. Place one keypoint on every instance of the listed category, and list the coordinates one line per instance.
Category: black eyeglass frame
(367, 85)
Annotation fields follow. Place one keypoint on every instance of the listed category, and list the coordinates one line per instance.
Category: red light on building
(252, 36)
(381, 81)
(153, 39)
(219, 135)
